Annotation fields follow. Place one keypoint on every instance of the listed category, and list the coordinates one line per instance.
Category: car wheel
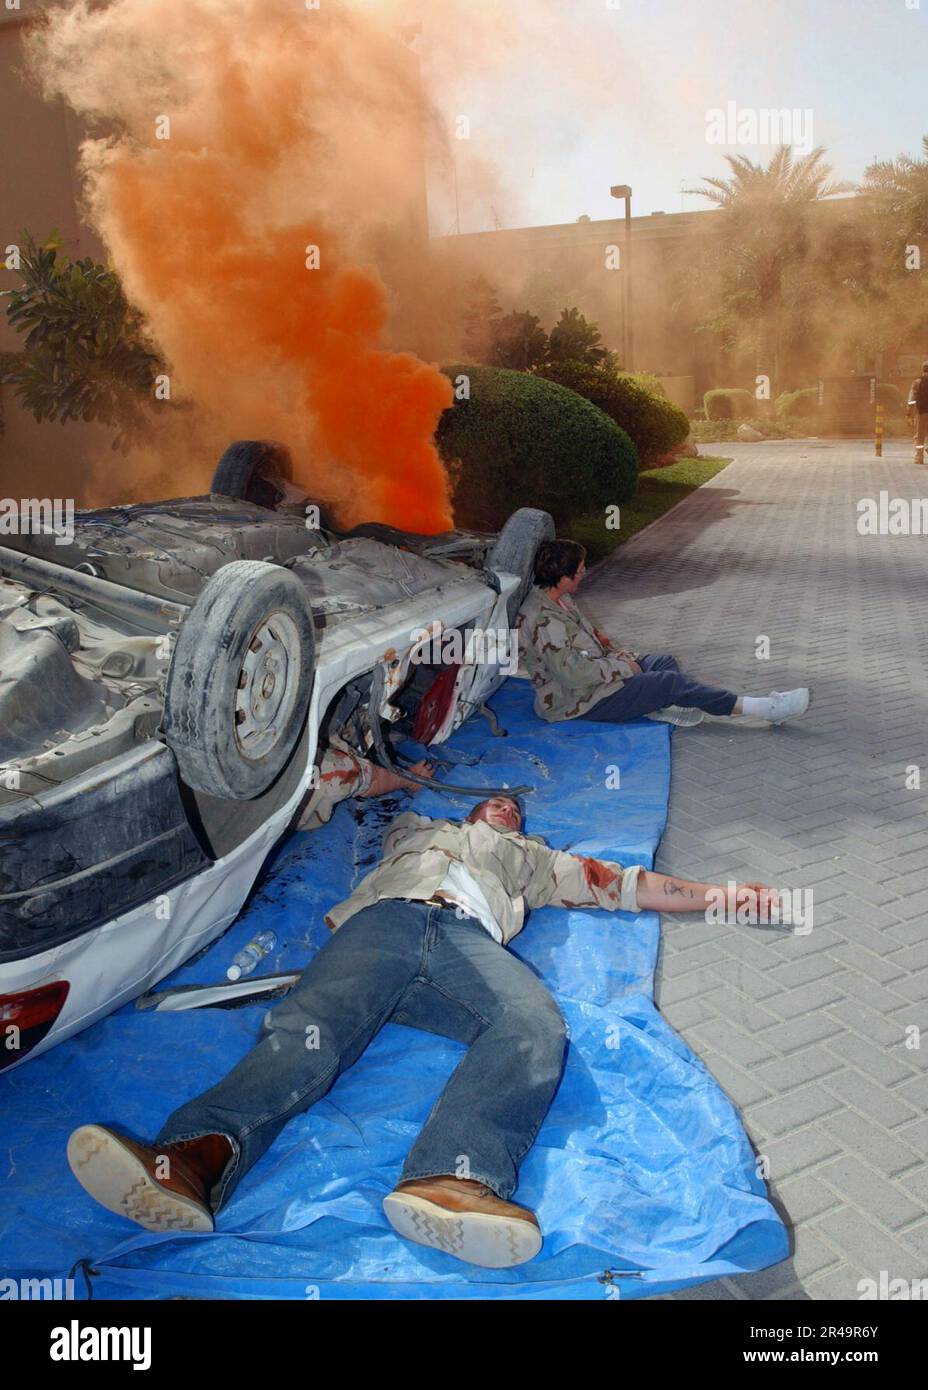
(253, 470)
(515, 549)
(240, 680)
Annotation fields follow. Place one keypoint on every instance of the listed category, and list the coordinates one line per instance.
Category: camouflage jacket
(914, 393)
(341, 773)
(568, 663)
(514, 871)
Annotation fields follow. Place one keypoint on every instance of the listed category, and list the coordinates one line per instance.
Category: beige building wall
(546, 269)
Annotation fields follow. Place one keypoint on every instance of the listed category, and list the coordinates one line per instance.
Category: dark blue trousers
(661, 683)
(426, 967)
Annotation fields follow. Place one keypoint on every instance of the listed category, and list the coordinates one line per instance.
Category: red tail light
(26, 1018)
(436, 704)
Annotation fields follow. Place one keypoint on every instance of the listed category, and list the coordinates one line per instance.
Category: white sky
(579, 95)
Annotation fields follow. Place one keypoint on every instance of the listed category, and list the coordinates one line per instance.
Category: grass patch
(659, 489)
(723, 431)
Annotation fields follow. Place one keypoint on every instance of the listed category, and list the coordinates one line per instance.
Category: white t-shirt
(461, 888)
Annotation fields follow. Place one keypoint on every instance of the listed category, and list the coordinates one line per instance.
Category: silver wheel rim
(268, 685)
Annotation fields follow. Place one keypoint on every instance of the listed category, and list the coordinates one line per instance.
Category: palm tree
(900, 189)
(783, 181)
(895, 193)
(763, 252)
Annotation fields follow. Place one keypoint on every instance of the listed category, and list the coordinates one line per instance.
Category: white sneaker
(788, 704)
(684, 716)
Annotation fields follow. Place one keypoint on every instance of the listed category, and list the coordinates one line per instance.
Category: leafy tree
(548, 286)
(574, 339)
(784, 180)
(896, 194)
(763, 258)
(898, 190)
(481, 317)
(86, 354)
(519, 342)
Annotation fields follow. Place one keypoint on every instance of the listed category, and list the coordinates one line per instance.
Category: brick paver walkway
(806, 1034)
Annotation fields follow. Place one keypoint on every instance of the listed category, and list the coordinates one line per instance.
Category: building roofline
(655, 220)
(654, 223)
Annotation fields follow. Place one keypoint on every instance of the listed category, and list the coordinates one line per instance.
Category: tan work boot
(465, 1219)
(126, 1177)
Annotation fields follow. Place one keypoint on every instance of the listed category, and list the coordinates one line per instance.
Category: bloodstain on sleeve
(597, 874)
(347, 772)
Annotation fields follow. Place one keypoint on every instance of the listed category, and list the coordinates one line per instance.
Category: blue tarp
(641, 1166)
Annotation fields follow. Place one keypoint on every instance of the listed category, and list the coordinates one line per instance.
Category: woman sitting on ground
(578, 673)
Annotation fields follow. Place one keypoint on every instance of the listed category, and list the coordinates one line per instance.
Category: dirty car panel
(103, 848)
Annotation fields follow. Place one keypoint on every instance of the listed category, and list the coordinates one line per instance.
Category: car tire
(240, 680)
(516, 547)
(251, 469)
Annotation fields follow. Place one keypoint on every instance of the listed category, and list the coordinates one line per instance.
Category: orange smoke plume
(260, 150)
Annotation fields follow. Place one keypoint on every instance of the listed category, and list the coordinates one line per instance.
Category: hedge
(519, 441)
(797, 405)
(647, 381)
(730, 403)
(653, 424)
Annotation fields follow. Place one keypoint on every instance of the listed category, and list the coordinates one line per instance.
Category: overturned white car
(167, 678)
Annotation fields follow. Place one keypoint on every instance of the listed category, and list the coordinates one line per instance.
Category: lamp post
(623, 190)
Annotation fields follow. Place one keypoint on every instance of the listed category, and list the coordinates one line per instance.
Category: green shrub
(647, 381)
(654, 426)
(519, 441)
(729, 404)
(795, 405)
(723, 431)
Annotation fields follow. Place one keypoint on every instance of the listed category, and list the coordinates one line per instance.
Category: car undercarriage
(170, 673)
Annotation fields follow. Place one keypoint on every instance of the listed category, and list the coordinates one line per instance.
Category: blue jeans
(661, 683)
(426, 967)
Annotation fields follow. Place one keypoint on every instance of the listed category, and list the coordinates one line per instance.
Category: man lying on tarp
(421, 942)
(578, 673)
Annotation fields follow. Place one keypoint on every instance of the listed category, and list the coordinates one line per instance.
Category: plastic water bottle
(245, 960)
